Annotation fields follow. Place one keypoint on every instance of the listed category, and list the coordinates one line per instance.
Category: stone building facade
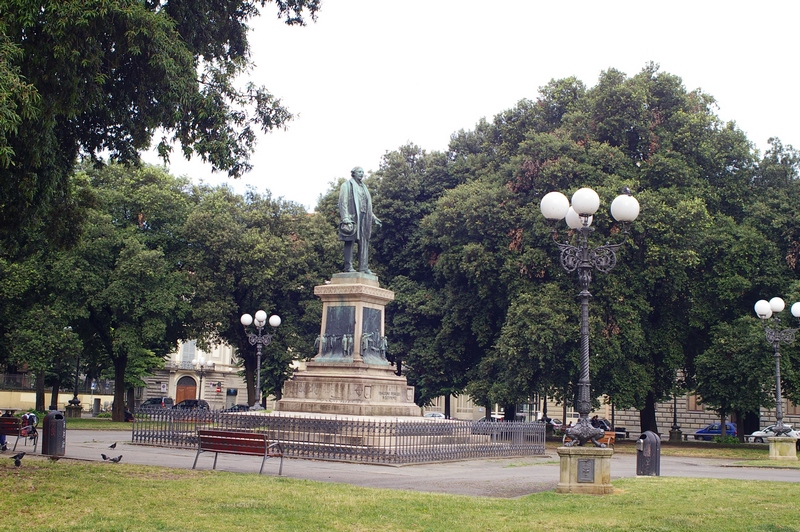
(691, 414)
(220, 385)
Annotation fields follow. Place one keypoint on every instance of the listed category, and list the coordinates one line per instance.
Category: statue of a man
(355, 213)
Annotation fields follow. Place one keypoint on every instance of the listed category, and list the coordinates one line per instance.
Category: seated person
(29, 422)
(3, 445)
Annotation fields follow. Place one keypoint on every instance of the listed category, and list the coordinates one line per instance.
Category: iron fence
(377, 441)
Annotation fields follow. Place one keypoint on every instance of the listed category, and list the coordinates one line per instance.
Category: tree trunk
(750, 422)
(647, 416)
(54, 395)
(447, 406)
(40, 391)
(722, 428)
(249, 363)
(118, 410)
(131, 401)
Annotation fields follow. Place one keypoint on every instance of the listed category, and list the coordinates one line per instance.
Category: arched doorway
(186, 389)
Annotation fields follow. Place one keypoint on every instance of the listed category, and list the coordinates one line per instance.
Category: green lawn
(96, 423)
(69, 496)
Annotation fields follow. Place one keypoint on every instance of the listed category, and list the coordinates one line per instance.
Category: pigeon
(104, 456)
(113, 445)
(18, 458)
(626, 191)
(116, 459)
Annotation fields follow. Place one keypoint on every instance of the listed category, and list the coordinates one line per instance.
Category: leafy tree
(123, 276)
(254, 252)
(483, 257)
(87, 77)
(406, 189)
(736, 373)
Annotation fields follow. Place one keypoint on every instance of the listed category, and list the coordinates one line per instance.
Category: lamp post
(675, 433)
(768, 311)
(75, 401)
(201, 366)
(259, 339)
(581, 257)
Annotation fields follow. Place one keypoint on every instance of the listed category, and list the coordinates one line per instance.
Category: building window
(188, 351)
(792, 409)
(694, 403)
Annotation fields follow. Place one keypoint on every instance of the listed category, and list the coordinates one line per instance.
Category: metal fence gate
(397, 441)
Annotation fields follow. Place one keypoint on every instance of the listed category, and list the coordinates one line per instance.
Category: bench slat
(13, 426)
(10, 425)
(237, 442)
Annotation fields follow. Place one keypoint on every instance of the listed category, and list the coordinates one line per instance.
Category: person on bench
(29, 422)
(3, 444)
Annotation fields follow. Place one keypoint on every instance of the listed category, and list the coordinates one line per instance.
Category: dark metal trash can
(54, 434)
(648, 454)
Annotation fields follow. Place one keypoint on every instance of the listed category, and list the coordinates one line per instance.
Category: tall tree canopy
(124, 276)
(487, 297)
(103, 76)
(250, 253)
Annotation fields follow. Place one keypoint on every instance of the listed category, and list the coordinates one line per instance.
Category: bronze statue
(355, 213)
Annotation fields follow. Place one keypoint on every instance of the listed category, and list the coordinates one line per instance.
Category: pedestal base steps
(354, 389)
(350, 375)
(585, 470)
(782, 448)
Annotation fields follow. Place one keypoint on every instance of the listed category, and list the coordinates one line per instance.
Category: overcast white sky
(372, 75)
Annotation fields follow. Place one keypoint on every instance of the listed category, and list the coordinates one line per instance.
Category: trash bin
(648, 454)
(54, 434)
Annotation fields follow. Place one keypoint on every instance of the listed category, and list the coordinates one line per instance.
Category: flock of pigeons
(116, 459)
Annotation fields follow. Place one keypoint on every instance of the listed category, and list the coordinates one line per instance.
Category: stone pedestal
(350, 374)
(585, 470)
(675, 436)
(74, 411)
(782, 448)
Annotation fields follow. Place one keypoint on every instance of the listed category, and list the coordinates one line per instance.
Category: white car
(760, 436)
(435, 415)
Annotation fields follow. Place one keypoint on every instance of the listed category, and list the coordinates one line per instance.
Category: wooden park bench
(13, 426)
(237, 442)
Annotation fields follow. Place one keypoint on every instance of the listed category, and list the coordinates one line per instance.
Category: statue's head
(357, 173)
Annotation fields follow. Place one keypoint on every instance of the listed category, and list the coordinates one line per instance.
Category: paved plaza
(507, 477)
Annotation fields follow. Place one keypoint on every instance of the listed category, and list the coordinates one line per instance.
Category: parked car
(555, 424)
(192, 404)
(708, 432)
(601, 424)
(238, 408)
(760, 436)
(157, 402)
(434, 415)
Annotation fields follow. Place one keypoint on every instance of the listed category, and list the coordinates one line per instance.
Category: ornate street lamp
(579, 256)
(75, 402)
(259, 339)
(202, 366)
(768, 311)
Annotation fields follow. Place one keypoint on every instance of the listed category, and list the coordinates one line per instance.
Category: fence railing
(391, 441)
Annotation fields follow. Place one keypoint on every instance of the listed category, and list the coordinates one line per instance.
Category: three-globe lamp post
(768, 311)
(202, 366)
(581, 257)
(259, 339)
